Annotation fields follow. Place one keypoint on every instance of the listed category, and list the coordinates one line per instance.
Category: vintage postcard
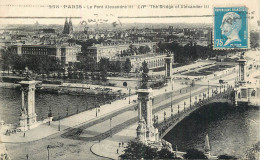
(117, 79)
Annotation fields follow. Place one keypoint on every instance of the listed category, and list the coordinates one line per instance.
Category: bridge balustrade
(168, 123)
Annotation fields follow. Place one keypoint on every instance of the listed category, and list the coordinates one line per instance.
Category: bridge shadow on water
(229, 129)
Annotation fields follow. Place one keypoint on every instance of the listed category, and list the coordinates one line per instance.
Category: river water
(231, 129)
(10, 104)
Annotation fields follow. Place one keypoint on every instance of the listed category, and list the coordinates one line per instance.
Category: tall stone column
(22, 98)
(139, 111)
(242, 68)
(28, 115)
(168, 69)
(149, 113)
(236, 96)
(145, 117)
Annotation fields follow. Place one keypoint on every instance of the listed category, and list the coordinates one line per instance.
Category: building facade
(153, 61)
(112, 50)
(65, 53)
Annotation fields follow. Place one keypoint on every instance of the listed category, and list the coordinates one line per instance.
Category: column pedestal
(28, 115)
(145, 130)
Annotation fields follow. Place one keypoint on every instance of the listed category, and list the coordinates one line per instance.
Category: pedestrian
(122, 144)
(117, 150)
(24, 134)
(119, 144)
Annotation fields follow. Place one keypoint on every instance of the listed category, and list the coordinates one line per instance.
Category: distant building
(153, 61)
(68, 27)
(112, 50)
(67, 54)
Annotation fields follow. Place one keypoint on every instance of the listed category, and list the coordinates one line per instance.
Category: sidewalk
(44, 130)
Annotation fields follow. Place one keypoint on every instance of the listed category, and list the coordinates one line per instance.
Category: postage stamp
(231, 28)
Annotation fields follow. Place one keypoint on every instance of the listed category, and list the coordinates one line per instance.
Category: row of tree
(43, 64)
(133, 50)
(190, 52)
(138, 150)
(38, 64)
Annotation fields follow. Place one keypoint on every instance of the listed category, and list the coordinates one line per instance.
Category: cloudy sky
(198, 11)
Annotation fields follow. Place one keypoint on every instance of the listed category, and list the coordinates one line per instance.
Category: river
(231, 129)
(10, 104)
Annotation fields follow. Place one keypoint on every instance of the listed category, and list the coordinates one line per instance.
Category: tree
(147, 49)
(165, 154)
(7, 57)
(138, 150)
(18, 62)
(194, 154)
(254, 39)
(103, 66)
(145, 77)
(118, 66)
(253, 152)
(142, 49)
(128, 66)
(226, 157)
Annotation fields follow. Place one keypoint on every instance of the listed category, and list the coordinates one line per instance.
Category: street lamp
(208, 89)
(110, 127)
(190, 96)
(154, 119)
(48, 152)
(50, 116)
(171, 112)
(59, 121)
(67, 111)
(164, 116)
(171, 100)
(96, 105)
(184, 105)
(96, 110)
(129, 94)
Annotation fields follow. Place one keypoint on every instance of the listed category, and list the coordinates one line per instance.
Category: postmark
(231, 28)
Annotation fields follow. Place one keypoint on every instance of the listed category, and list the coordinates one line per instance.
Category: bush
(194, 154)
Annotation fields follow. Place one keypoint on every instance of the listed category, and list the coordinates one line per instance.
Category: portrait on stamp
(230, 27)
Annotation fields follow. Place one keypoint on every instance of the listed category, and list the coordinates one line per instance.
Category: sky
(92, 11)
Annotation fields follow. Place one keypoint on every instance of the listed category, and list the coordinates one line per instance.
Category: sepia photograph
(117, 79)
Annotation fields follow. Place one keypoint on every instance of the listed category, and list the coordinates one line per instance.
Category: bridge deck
(165, 126)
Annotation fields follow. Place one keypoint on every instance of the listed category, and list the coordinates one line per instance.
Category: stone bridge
(168, 123)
